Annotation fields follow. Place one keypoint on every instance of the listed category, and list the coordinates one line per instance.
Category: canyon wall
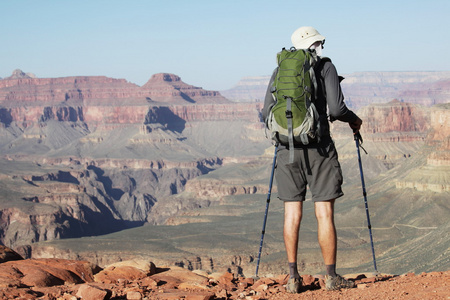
(102, 90)
(91, 155)
(107, 100)
(434, 175)
(98, 153)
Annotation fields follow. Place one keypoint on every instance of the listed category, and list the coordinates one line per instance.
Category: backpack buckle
(289, 114)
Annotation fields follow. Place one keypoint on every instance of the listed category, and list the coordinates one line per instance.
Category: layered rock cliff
(91, 155)
(160, 86)
(99, 99)
(399, 134)
(435, 175)
(101, 90)
(100, 152)
(395, 121)
(74, 90)
(79, 201)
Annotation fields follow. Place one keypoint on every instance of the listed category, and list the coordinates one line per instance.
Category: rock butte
(158, 113)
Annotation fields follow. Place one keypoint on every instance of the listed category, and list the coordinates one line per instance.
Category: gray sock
(331, 270)
(293, 271)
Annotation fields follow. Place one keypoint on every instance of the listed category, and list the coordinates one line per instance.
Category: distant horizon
(214, 44)
(231, 87)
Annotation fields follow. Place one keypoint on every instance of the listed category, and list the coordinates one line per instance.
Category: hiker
(315, 164)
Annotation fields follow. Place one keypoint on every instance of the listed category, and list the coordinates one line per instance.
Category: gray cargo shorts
(318, 167)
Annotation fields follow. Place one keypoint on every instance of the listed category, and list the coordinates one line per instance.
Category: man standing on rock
(315, 165)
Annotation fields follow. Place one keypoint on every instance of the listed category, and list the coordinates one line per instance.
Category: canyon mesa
(100, 169)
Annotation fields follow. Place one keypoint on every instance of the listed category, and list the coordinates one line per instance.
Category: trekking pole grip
(359, 140)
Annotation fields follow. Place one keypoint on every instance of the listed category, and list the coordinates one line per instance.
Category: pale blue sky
(213, 44)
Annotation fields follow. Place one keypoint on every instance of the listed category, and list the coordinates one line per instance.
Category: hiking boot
(294, 285)
(337, 282)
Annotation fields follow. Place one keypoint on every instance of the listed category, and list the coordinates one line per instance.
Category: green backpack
(293, 119)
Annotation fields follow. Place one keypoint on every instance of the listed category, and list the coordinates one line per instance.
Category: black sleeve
(269, 100)
(335, 99)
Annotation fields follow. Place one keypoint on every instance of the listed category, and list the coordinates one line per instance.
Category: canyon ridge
(103, 170)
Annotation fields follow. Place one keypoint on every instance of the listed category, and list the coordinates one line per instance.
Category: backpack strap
(290, 129)
(312, 74)
(318, 68)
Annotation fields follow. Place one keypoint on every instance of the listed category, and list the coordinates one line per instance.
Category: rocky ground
(137, 279)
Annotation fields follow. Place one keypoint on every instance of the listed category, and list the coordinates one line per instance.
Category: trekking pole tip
(377, 274)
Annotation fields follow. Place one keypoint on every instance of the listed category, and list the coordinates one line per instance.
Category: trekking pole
(267, 208)
(358, 141)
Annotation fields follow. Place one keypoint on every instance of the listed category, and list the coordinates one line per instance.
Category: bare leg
(292, 219)
(326, 230)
